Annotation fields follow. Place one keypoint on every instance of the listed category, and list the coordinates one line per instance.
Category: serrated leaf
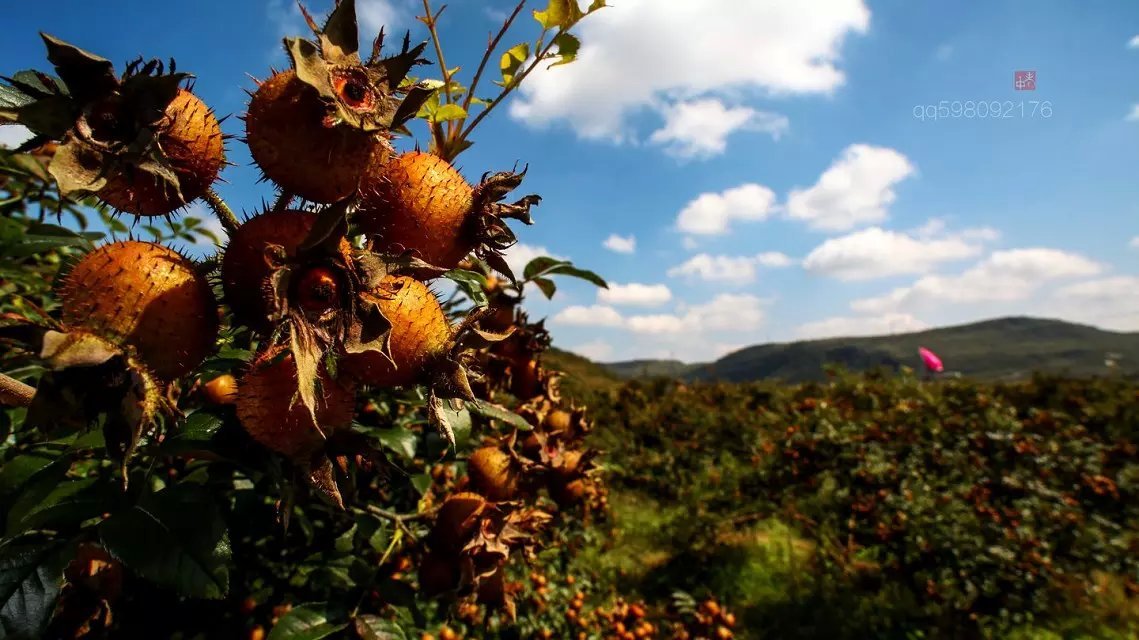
(568, 46)
(498, 412)
(448, 112)
(471, 283)
(31, 575)
(512, 60)
(546, 286)
(308, 622)
(175, 538)
(194, 434)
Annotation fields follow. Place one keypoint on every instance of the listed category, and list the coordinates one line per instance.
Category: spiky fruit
(221, 390)
(418, 202)
(191, 140)
(312, 128)
(272, 414)
(438, 574)
(146, 296)
(420, 334)
(245, 268)
(287, 136)
(494, 474)
(558, 421)
(457, 519)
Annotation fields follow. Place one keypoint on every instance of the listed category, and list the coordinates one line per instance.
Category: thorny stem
(14, 393)
(222, 211)
(488, 53)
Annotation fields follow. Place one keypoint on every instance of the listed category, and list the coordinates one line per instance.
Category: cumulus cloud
(1004, 276)
(14, 135)
(856, 189)
(855, 326)
(713, 213)
(724, 313)
(876, 252)
(1133, 115)
(620, 244)
(642, 52)
(595, 350)
(374, 14)
(634, 294)
(700, 128)
(1111, 303)
(1133, 43)
(1134, 244)
(591, 316)
(731, 269)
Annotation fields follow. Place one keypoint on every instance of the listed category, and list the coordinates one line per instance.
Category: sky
(749, 171)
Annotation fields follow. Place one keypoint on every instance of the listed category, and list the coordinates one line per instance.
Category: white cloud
(690, 243)
(713, 213)
(634, 294)
(1004, 276)
(700, 128)
(519, 254)
(373, 14)
(1133, 115)
(620, 244)
(876, 252)
(733, 269)
(640, 51)
(210, 222)
(1111, 303)
(854, 326)
(1134, 244)
(591, 316)
(856, 189)
(595, 350)
(1133, 43)
(14, 135)
(724, 313)
(370, 16)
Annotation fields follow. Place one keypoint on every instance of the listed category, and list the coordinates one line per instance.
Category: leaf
(399, 440)
(376, 628)
(77, 169)
(472, 284)
(308, 622)
(31, 575)
(339, 39)
(194, 434)
(67, 505)
(86, 75)
(559, 14)
(498, 412)
(546, 266)
(511, 61)
(19, 470)
(546, 285)
(175, 538)
(448, 112)
(568, 46)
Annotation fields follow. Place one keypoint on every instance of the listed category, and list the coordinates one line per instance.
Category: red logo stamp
(1024, 81)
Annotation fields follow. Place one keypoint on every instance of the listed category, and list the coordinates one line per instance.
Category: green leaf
(195, 433)
(375, 628)
(559, 14)
(31, 575)
(421, 482)
(546, 266)
(17, 471)
(401, 441)
(448, 112)
(472, 284)
(175, 538)
(68, 504)
(309, 622)
(511, 61)
(498, 412)
(568, 46)
(546, 285)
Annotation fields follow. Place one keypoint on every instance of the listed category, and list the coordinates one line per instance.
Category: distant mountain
(1001, 349)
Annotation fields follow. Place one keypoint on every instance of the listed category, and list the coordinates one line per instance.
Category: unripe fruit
(420, 334)
(456, 521)
(493, 474)
(290, 140)
(271, 416)
(558, 420)
(221, 390)
(147, 296)
(191, 140)
(244, 270)
(418, 201)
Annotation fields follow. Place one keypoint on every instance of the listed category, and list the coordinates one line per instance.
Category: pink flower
(930, 359)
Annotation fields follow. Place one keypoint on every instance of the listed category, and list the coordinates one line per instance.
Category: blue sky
(747, 171)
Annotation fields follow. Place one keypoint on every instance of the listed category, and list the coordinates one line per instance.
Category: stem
(538, 58)
(222, 211)
(14, 393)
(430, 21)
(400, 520)
(487, 54)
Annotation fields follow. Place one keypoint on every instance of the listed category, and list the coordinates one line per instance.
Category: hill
(1001, 349)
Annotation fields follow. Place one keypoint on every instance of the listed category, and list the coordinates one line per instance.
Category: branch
(538, 58)
(14, 393)
(400, 520)
(222, 211)
(430, 21)
(489, 52)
